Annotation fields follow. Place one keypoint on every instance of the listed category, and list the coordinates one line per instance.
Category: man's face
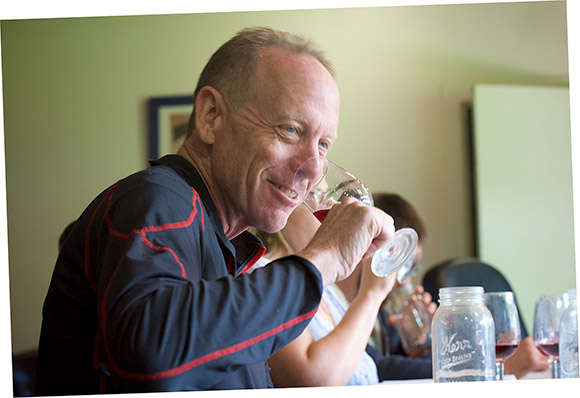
(291, 115)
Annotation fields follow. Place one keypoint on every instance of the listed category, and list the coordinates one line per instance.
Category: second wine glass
(547, 313)
(508, 334)
(322, 183)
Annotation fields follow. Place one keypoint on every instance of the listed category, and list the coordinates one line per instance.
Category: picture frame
(168, 119)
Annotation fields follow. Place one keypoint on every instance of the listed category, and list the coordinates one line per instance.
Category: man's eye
(324, 144)
(290, 129)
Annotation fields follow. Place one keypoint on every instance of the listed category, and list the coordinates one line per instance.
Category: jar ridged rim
(461, 293)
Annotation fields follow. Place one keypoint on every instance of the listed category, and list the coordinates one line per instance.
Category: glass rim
(314, 183)
(502, 293)
(466, 289)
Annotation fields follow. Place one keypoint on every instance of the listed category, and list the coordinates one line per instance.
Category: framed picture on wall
(168, 118)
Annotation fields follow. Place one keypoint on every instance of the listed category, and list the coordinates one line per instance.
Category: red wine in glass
(508, 335)
(504, 351)
(550, 349)
(321, 214)
(322, 184)
(549, 309)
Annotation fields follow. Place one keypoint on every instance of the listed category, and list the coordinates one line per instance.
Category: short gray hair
(231, 68)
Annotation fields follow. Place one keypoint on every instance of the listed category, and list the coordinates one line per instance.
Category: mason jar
(412, 320)
(463, 336)
(568, 341)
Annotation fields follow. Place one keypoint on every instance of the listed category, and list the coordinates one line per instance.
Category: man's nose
(309, 173)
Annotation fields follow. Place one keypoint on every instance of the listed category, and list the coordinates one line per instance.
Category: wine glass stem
(499, 370)
(554, 368)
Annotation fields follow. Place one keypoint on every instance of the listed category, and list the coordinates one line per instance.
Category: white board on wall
(523, 188)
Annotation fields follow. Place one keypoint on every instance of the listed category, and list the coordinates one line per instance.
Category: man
(149, 292)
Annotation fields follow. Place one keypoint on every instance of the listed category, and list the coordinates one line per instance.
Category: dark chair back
(467, 272)
(24, 373)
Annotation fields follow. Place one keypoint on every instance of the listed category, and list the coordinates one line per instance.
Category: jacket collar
(245, 248)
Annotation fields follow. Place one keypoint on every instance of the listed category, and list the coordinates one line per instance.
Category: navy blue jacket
(148, 294)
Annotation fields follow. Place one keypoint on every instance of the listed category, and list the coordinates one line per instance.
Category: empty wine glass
(322, 184)
(508, 334)
(547, 313)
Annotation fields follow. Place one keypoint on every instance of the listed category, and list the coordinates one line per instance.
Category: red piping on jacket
(143, 232)
(254, 260)
(213, 355)
(198, 361)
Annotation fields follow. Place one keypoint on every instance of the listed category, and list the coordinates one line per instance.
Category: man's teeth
(290, 193)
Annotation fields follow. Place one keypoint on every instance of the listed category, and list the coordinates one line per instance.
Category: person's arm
(169, 315)
(333, 359)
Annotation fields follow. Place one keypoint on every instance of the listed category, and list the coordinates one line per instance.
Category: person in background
(150, 291)
(527, 358)
(331, 351)
(385, 347)
(296, 364)
(386, 338)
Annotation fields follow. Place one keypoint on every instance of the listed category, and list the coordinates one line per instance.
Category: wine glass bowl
(508, 334)
(321, 184)
(547, 313)
(328, 184)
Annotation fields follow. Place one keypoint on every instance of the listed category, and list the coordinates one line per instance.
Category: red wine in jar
(550, 349)
(321, 214)
(504, 351)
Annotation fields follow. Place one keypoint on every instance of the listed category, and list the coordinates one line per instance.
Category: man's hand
(351, 231)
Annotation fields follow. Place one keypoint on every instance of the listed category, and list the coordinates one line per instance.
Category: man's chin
(274, 223)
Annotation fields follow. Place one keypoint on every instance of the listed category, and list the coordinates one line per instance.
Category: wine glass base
(396, 254)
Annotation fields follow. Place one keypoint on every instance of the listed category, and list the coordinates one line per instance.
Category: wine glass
(508, 334)
(322, 183)
(409, 269)
(547, 313)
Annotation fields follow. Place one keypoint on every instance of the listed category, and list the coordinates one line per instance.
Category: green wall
(75, 93)
(524, 188)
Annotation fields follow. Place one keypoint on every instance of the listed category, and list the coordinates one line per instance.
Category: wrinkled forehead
(280, 69)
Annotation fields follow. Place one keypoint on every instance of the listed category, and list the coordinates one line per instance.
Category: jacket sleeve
(164, 325)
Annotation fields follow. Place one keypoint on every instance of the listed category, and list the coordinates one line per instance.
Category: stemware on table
(508, 332)
(547, 313)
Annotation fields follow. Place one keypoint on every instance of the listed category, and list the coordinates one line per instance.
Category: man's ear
(210, 113)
